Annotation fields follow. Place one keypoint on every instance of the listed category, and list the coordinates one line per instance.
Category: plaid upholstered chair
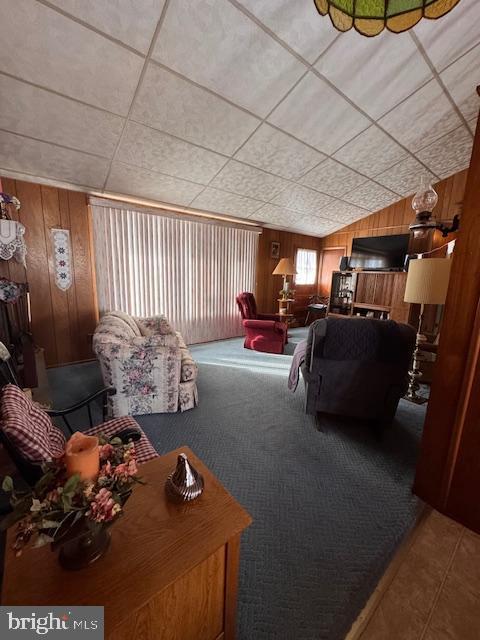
(30, 437)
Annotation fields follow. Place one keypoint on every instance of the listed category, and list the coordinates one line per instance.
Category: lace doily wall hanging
(12, 242)
(62, 253)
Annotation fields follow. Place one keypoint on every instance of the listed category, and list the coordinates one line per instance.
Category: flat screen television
(381, 253)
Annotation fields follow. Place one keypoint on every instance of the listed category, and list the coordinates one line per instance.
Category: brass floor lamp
(427, 283)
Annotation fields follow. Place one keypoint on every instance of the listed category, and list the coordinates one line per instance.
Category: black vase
(84, 550)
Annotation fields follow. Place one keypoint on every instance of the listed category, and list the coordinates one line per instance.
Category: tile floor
(431, 591)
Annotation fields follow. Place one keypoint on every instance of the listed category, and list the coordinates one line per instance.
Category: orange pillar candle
(82, 456)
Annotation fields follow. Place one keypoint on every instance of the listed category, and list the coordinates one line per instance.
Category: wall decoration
(275, 250)
(6, 199)
(10, 292)
(12, 243)
(62, 255)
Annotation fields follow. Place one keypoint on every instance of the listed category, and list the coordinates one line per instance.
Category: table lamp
(427, 283)
(285, 268)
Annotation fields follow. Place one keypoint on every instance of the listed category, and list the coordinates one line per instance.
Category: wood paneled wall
(268, 286)
(396, 218)
(448, 471)
(62, 321)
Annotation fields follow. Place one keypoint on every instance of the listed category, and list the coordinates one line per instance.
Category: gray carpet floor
(329, 508)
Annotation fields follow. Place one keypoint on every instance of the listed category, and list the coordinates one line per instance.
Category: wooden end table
(284, 314)
(171, 571)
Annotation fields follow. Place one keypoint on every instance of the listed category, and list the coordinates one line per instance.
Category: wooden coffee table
(171, 570)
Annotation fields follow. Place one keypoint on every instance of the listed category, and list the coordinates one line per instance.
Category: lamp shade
(427, 280)
(370, 17)
(284, 268)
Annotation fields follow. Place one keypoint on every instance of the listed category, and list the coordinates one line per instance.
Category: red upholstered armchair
(263, 331)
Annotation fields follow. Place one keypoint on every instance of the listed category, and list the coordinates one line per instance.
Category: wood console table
(170, 573)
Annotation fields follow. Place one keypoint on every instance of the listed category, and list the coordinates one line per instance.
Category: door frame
(447, 476)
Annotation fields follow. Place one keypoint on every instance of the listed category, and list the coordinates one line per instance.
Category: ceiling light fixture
(423, 203)
(371, 17)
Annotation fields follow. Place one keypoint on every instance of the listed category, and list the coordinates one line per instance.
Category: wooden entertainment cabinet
(373, 293)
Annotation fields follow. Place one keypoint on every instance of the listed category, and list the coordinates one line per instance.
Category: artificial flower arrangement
(63, 508)
(287, 294)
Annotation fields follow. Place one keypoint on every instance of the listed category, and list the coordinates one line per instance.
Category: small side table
(284, 310)
(171, 571)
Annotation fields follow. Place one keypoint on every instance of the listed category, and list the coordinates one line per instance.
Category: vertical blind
(190, 271)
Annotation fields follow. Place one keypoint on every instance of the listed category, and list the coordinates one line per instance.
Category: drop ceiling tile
(277, 152)
(130, 21)
(332, 178)
(151, 149)
(404, 177)
(179, 107)
(318, 115)
(60, 54)
(297, 23)
(38, 113)
(371, 196)
(216, 45)
(224, 202)
(278, 215)
(371, 152)
(128, 180)
(461, 79)
(300, 198)
(340, 211)
(376, 73)
(422, 118)
(448, 38)
(248, 181)
(315, 230)
(41, 159)
(449, 154)
(317, 222)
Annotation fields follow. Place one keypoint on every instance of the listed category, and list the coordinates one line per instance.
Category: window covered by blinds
(147, 264)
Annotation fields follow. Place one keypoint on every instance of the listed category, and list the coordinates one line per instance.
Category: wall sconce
(423, 203)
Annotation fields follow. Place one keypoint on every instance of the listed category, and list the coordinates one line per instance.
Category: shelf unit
(342, 292)
(377, 294)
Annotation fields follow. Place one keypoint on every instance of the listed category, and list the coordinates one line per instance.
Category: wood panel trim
(92, 263)
(458, 352)
(466, 393)
(232, 564)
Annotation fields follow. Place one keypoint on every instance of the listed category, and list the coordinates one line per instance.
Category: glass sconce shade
(425, 199)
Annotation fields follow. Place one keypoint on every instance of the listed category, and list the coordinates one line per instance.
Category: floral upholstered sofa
(147, 362)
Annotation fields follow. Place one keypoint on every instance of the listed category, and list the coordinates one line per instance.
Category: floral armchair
(147, 362)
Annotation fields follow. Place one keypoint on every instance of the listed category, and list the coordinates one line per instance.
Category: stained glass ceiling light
(371, 17)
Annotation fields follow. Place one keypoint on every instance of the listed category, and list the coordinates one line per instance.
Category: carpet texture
(329, 508)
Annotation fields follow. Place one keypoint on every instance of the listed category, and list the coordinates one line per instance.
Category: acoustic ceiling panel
(252, 109)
